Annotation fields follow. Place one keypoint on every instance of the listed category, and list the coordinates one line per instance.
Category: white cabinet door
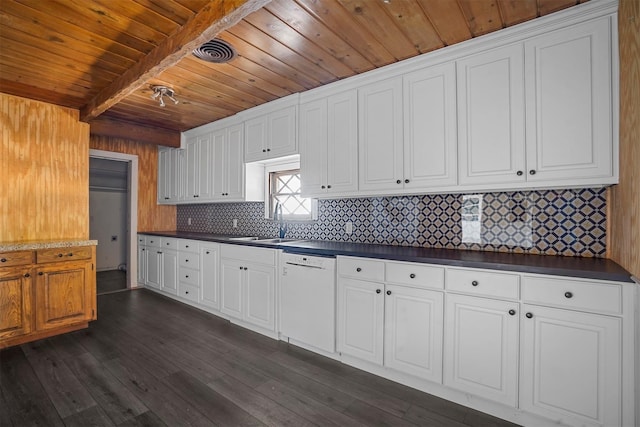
(313, 148)
(361, 319)
(481, 347)
(167, 176)
(231, 276)
(282, 137)
(234, 165)
(342, 143)
(142, 264)
(154, 268)
(255, 142)
(571, 366)
(259, 297)
(209, 285)
(169, 282)
(380, 136)
(413, 331)
(198, 168)
(569, 114)
(430, 128)
(491, 133)
(219, 146)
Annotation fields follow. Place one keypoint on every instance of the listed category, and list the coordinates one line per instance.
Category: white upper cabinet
(199, 182)
(329, 145)
(170, 179)
(430, 128)
(569, 97)
(271, 130)
(380, 136)
(491, 121)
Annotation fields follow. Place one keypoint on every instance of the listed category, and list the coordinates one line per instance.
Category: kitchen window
(284, 189)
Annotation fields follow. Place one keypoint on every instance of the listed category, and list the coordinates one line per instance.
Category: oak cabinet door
(15, 302)
(63, 294)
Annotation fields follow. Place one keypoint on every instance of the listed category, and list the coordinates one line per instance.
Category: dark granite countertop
(588, 268)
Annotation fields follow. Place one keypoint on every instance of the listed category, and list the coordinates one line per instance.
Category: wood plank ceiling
(67, 51)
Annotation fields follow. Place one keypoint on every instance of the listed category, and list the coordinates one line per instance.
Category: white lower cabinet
(413, 331)
(571, 370)
(142, 260)
(162, 264)
(399, 327)
(481, 347)
(248, 280)
(209, 272)
(361, 319)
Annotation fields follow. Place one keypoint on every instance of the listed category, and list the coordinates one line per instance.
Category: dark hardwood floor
(151, 361)
(111, 281)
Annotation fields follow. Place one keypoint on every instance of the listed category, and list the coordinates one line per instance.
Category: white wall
(108, 217)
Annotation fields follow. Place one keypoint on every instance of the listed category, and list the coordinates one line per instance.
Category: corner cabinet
(46, 292)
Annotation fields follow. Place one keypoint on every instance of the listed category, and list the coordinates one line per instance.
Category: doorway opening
(113, 207)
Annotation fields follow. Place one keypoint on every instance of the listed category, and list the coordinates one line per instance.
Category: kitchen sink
(243, 238)
(275, 241)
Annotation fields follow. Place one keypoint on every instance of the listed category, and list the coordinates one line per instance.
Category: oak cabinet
(15, 301)
(329, 145)
(45, 292)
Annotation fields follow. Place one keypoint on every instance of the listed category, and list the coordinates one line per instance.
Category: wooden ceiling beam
(107, 126)
(215, 17)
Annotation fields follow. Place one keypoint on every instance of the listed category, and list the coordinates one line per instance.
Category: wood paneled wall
(624, 201)
(151, 216)
(44, 171)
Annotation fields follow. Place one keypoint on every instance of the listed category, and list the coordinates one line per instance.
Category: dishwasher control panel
(309, 261)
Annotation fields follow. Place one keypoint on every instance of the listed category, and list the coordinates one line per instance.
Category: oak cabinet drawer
(361, 268)
(482, 282)
(188, 245)
(63, 254)
(248, 253)
(415, 274)
(572, 294)
(9, 259)
(191, 277)
(189, 292)
(189, 260)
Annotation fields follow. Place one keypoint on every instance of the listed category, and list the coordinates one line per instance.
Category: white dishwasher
(308, 300)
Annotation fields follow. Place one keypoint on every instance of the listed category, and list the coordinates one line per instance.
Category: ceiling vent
(216, 51)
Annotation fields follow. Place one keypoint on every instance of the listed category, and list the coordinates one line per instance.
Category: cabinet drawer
(189, 260)
(169, 243)
(573, 294)
(248, 253)
(361, 268)
(154, 241)
(413, 274)
(188, 245)
(189, 276)
(481, 282)
(189, 292)
(142, 239)
(8, 259)
(63, 254)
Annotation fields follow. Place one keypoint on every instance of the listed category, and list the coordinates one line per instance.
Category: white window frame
(279, 166)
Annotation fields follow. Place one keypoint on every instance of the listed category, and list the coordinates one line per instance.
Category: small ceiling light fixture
(159, 92)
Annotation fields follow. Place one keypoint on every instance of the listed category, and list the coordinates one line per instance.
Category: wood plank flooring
(151, 361)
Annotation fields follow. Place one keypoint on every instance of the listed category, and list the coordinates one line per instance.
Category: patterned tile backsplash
(551, 222)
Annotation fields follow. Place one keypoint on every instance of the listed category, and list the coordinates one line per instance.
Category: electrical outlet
(348, 227)
(188, 221)
(235, 223)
